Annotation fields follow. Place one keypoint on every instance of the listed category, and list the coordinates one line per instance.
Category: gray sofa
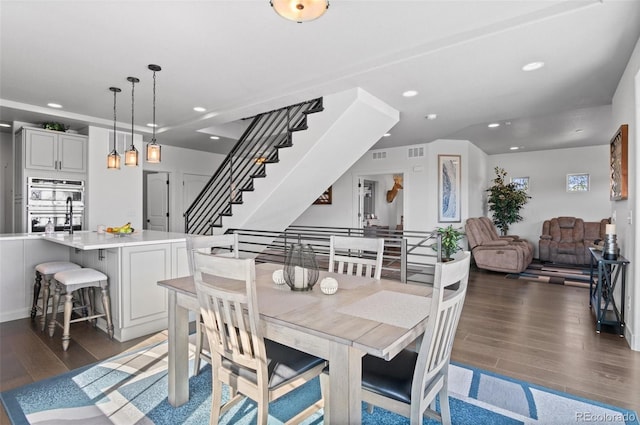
(566, 240)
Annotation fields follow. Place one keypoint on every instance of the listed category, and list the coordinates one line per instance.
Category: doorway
(156, 201)
(374, 209)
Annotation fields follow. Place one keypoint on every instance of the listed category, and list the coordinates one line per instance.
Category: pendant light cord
(153, 139)
(114, 119)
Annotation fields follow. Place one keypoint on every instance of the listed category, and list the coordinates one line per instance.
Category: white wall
(178, 162)
(420, 203)
(547, 172)
(626, 110)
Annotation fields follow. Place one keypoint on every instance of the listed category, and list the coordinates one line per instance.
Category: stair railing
(266, 134)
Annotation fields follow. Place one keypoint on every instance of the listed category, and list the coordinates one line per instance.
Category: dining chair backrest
(222, 245)
(356, 256)
(435, 348)
(228, 305)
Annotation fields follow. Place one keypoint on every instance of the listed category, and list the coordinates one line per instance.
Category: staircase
(304, 147)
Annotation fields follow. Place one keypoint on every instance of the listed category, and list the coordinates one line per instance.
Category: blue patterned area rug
(132, 389)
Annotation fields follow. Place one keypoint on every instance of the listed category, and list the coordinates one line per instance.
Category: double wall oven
(52, 200)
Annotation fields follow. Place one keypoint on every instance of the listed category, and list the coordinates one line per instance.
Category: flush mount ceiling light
(54, 105)
(131, 155)
(300, 10)
(214, 137)
(153, 149)
(514, 148)
(113, 159)
(494, 125)
(532, 66)
(410, 93)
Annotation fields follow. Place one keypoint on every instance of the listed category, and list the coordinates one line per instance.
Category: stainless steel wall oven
(47, 200)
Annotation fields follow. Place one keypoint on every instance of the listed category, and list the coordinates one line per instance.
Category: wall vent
(380, 155)
(416, 152)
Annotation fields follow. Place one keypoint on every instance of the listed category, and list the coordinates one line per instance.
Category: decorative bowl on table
(329, 286)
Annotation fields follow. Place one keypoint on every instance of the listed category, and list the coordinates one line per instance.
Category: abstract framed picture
(325, 198)
(449, 174)
(521, 182)
(578, 182)
(618, 164)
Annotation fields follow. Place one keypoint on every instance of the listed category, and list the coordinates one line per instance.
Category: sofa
(509, 254)
(566, 240)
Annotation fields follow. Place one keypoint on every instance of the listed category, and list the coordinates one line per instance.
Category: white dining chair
(221, 245)
(356, 255)
(408, 383)
(241, 357)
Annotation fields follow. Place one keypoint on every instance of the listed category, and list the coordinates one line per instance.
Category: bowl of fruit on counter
(120, 231)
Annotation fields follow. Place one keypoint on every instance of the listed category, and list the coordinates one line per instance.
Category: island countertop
(89, 240)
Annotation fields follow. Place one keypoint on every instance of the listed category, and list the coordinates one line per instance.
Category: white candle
(610, 229)
(301, 275)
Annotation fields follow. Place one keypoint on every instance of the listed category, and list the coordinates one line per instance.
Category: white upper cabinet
(54, 151)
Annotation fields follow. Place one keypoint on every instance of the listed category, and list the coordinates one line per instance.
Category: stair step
(319, 108)
(236, 202)
(247, 189)
(259, 175)
(284, 145)
(271, 161)
(225, 214)
(299, 128)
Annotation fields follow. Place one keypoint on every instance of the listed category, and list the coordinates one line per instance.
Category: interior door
(192, 185)
(157, 201)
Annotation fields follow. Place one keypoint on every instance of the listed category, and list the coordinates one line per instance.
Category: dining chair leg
(216, 400)
(68, 308)
(263, 407)
(443, 395)
(46, 291)
(199, 336)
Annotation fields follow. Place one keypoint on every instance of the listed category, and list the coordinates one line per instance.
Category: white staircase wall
(351, 123)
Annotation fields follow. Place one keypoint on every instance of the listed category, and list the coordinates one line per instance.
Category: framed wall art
(578, 182)
(618, 164)
(449, 174)
(325, 198)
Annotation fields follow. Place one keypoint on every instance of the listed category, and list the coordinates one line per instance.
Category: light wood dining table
(365, 316)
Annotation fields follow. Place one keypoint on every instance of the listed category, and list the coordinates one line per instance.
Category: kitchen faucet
(70, 214)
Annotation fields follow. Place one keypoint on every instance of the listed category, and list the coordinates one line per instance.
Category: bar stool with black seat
(45, 271)
(70, 282)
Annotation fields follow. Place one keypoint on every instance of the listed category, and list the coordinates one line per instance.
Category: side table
(605, 276)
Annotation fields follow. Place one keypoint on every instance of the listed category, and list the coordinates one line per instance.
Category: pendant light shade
(131, 155)
(153, 148)
(300, 10)
(113, 159)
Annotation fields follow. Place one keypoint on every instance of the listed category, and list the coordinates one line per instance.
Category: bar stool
(46, 271)
(69, 281)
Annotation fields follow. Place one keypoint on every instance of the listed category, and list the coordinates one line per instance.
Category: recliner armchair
(491, 252)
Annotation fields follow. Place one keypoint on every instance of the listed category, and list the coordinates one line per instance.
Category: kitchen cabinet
(54, 151)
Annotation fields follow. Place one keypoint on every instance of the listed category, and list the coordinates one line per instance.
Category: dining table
(379, 317)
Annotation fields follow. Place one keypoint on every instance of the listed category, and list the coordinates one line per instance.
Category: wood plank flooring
(538, 332)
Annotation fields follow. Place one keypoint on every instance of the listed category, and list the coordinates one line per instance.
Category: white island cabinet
(134, 264)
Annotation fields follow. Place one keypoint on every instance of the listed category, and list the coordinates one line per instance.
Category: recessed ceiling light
(386, 135)
(54, 105)
(514, 148)
(214, 137)
(532, 66)
(410, 93)
(152, 125)
(199, 109)
(5, 125)
(432, 116)
(494, 125)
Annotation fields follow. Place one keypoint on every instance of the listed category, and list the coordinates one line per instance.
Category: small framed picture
(521, 182)
(578, 182)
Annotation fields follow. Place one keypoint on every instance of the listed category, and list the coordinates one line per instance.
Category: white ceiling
(238, 58)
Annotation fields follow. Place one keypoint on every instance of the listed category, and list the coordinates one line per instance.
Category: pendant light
(153, 149)
(300, 10)
(131, 155)
(113, 159)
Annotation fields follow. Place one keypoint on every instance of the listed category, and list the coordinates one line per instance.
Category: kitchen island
(133, 262)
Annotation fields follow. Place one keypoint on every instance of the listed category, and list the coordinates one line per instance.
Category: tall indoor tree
(505, 201)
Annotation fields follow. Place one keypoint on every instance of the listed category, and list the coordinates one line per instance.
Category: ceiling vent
(380, 155)
(416, 152)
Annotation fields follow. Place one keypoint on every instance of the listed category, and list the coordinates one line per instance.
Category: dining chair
(408, 383)
(242, 358)
(348, 255)
(222, 245)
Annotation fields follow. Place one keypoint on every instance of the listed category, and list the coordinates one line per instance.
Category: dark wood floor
(537, 332)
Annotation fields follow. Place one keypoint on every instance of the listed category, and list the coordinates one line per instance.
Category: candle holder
(301, 269)
(610, 250)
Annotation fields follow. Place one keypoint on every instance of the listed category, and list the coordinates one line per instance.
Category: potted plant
(505, 201)
(449, 237)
